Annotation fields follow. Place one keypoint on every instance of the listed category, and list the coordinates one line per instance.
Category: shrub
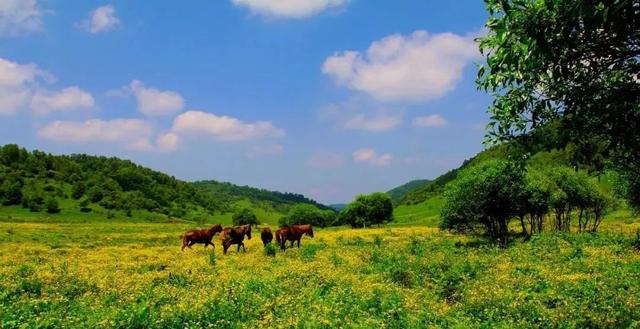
(366, 210)
(51, 204)
(212, 258)
(270, 250)
(308, 214)
(245, 216)
(485, 195)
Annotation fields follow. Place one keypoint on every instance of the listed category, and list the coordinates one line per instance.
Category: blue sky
(328, 98)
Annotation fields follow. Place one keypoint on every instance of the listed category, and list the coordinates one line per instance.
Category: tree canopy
(570, 63)
(366, 210)
(308, 214)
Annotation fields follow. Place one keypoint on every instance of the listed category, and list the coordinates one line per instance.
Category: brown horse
(266, 236)
(192, 237)
(293, 233)
(235, 235)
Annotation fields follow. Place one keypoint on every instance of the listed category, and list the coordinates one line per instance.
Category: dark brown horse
(235, 235)
(192, 237)
(293, 233)
(266, 236)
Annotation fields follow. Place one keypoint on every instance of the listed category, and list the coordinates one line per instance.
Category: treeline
(38, 181)
(279, 200)
(364, 211)
(491, 194)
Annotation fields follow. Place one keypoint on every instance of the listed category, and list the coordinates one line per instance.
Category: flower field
(104, 275)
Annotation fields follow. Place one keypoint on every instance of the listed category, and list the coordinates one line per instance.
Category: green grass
(133, 275)
(70, 212)
(426, 213)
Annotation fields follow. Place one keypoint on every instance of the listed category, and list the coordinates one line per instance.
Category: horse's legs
(292, 241)
(243, 248)
(225, 246)
(239, 247)
(298, 243)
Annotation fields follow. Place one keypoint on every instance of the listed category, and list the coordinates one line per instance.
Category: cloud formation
(361, 114)
(371, 157)
(289, 8)
(154, 102)
(102, 19)
(19, 17)
(67, 99)
(133, 133)
(21, 88)
(223, 128)
(417, 68)
(434, 120)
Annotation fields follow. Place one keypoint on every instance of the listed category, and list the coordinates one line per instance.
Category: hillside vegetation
(399, 192)
(36, 185)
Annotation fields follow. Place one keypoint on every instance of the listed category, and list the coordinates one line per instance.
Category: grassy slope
(71, 213)
(134, 275)
(399, 192)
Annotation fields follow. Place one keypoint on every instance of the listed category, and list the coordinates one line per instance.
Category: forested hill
(41, 182)
(399, 192)
(540, 158)
(235, 192)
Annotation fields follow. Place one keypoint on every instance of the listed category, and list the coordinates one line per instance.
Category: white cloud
(417, 67)
(17, 84)
(19, 17)
(223, 128)
(67, 99)
(370, 156)
(324, 159)
(154, 102)
(133, 134)
(362, 114)
(102, 19)
(380, 122)
(167, 142)
(289, 8)
(127, 131)
(434, 120)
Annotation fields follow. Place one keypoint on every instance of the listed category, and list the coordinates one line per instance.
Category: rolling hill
(399, 192)
(37, 185)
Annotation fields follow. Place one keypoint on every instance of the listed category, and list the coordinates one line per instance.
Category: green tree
(77, 190)
(245, 216)
(485, 195)
(366, 210)
(85, 205)
(51, 204)
(574, 63)
(308, 214)
(11, 191)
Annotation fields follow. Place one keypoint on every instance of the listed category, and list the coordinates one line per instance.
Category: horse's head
(246, 229)
(310, 231)
(215, 229)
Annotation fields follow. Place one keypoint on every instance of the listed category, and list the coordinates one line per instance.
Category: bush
(308, 214)
(485, 195)
(245, 217)
(51, 204)
(84, 205)
(270, 250)
(366, 210)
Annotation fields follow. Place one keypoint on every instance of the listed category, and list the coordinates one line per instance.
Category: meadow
(117, 274)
